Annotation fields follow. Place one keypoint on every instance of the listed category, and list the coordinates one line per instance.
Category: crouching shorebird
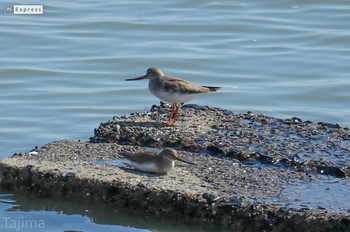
(172, 90)
(151, 161)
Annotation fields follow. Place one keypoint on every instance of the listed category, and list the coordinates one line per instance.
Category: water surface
(62, 73)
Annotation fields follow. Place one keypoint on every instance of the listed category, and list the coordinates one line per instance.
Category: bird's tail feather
(212, 88)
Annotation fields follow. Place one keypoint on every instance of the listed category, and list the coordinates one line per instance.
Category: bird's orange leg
(176, 113)
(170, 120)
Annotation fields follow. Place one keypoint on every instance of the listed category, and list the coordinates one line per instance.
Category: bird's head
(151, 74)
(171, 154)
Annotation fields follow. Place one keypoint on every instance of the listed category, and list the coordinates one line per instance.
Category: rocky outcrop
(252, 172)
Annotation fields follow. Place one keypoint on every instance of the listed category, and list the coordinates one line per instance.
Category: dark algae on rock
(252, 172)
(289, 143)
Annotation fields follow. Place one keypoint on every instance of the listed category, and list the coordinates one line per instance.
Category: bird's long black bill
(137, 78)
(185, 161)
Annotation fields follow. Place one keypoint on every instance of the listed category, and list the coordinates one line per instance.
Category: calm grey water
(62, 73)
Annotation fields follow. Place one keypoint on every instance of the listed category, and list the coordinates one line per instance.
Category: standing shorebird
(172, 90)
(150, 161)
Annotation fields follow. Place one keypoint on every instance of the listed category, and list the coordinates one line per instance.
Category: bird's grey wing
(136, 157)
(178, 86)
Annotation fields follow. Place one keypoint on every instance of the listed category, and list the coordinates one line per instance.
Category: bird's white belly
(153, 168)
(173, 97)
(145, 167)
